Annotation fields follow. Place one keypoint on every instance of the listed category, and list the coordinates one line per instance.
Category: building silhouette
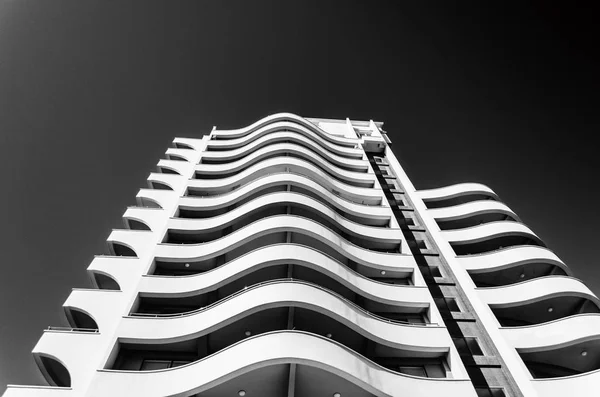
(294, 257)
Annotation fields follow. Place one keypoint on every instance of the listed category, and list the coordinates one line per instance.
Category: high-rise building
(294, 257)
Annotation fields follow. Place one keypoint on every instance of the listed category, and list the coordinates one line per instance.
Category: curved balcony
(453, 195)
(553, 334)
(143, 219)
(279, 204)
(176, 154)
(285, 163)
(156, 199)
(356, 194)
(400, 273)
(402, 303)
(188, 143)
(490, 237)
(540, 300)
(584, 385)
(279, 152)
(276, 228)
(160, 181)
(61, 355)
(262, 351)
(471, 214)
(172, 167)
(567, 348)
(322, 306)
(577, 358)
(283, 140)
(280, 121)
(366, 281)
(205, 207)
(96, 307)
(53, 370)
(36, 391)
(512, 265)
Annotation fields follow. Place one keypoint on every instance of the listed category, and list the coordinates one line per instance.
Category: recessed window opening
(489, 392)
(468, 346)
(450, 303)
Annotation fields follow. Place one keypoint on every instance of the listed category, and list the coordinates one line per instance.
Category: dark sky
(92, 94)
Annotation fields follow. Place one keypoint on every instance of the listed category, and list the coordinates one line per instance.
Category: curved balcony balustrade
(36, 391)
(577, 358)
(218, 174)
(53, 370)
(182, 145)
(283, 141)
(365, 196)
(245, 301)
(117, 248)
(290, 347)
(283, 163)
(539, 301)
(193, 231)
(472, 214)
(516, 274)
(278, 122)
(173, 167)
(453, 195)
(176, 295)
(490, 237)
(185, 278)
(206, 207)
(80, 319)
(566, 350)
(263, 252)
(280, 153)
(183, 155)
(276, 230)
(387, 240)
(266, 308)
(156, 199)
(103, 280)
(512, 265)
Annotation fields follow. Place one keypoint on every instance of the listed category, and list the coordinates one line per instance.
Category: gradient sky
(92, 94)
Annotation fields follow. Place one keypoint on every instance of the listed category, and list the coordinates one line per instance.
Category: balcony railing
(281, 280)
(332, 191)
(69, 329)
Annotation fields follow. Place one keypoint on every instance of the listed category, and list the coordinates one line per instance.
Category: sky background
(93, 93)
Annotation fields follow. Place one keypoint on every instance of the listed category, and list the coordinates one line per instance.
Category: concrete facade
(294, 257)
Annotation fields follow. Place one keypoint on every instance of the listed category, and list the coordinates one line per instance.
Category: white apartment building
(295, 258)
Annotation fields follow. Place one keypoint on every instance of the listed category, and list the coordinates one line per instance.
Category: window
(468, 346)
(485, 392)
(410, 318)
(435, 271)
(151, 365)
(421, 244)
(179, 363)
(450, 303)
(415, 371)
(426, 370)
